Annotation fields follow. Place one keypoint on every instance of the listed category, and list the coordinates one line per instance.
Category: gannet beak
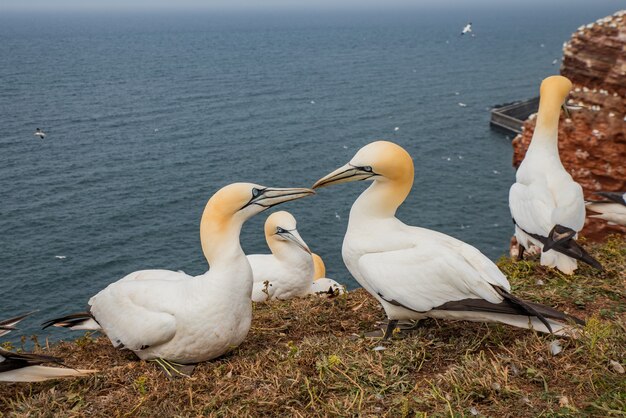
(345, 174)
(566, 110)
(294, 237)
(270, 196)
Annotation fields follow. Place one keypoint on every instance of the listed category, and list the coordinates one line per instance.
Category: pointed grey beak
(344, 174)
(295, 237)
(273, 196)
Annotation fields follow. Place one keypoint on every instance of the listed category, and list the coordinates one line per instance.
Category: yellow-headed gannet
(415, 272)
(39, 133)
(323, 286)
(612, 210)
(547, 205)
(287, 272)
(176, 319)
(8, 325)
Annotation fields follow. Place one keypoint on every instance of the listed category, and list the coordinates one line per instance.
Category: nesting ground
(307, 357)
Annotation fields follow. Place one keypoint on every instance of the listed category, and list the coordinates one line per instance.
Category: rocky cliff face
(592, 142)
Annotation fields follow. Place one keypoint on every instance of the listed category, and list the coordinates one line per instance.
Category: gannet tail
(76, 321)
(41, 373)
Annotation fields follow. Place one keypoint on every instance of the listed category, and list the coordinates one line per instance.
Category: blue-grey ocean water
(147, 115)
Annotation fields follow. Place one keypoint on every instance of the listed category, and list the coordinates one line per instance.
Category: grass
(308, 358)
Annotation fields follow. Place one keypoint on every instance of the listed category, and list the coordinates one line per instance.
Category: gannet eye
(255, 192)
(279, 230)
(367, 168)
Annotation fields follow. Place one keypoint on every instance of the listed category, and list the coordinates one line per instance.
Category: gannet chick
(41, 134)
(323, 286)
(176, 319)
(8, 325)
(415, 272)
(25, 367)
(547, 205)
(612, 210)
(287, 272)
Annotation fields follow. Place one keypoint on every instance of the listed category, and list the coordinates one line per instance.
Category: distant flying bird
(177, 320)
(467, 29)
(287, 272)
(41, 134)
(415, 272)
(547, 205)
(612, 210)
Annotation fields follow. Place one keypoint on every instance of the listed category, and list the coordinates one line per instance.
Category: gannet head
(557, 86)
(380, 161)
(243, 200)
(281, 227)
(319, 267)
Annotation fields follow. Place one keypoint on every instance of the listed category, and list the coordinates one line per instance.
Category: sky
(247, 5)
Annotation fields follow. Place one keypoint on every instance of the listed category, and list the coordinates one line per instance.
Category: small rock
(539, 282)
(616, 367)
(496, 386)
(563, 401)
(473, 411)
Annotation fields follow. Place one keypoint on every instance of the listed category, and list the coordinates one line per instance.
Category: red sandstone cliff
(592, 142)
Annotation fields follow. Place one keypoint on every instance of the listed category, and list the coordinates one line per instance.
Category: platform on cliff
(511, 117)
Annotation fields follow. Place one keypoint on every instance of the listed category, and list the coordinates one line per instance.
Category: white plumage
(544, 194)
(288, 271)
(415, 272)
(613, 210)
(162, 314)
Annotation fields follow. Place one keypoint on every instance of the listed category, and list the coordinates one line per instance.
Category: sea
(147, 114)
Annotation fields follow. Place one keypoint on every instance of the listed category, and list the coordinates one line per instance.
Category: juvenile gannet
(41, 134)
(323, 286)
(415, 272)
(547, 205)
(176, 319)
(612, 210)
(8, 325)
(287, 272)
(25, 367)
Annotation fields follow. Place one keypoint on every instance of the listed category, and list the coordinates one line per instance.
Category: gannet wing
(155, 274)
(24, 367)
(427, 276)
(8, 325)
(570, 205)
(531, 207)
(136, 314)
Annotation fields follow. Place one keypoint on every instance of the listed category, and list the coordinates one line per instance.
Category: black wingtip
(68, 321)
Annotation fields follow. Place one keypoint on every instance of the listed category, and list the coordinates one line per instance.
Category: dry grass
(301, 359)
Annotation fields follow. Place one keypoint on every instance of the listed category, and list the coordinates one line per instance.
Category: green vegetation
(308, 358)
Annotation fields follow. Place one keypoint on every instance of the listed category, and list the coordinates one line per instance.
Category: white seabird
(287, 272)
(26, 367)
(179, 320)
(322, 285)
(39, 133)
(547, 205)
(612, 210)
(415, 272)
(466, 29)
(8, 325)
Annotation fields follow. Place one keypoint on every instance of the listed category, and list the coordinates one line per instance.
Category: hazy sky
(85, 5)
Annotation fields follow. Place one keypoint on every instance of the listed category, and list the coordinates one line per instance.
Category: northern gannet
(612, 210)
(26, 367)
(287, 272)
(41, 134)
(415, 272)
(547, 205)
(8, 325)
(466, 29)
(323, 286)
(176, 319)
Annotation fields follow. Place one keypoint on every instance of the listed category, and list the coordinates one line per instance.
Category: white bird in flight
(39, 133)
(612, 210)
(415, 272)
(466, 29)
(287, 272)
(178, 320)
(547, 205)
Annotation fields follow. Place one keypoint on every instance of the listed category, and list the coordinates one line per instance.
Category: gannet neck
(384, 196)
(219, 235)
(553, 92)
